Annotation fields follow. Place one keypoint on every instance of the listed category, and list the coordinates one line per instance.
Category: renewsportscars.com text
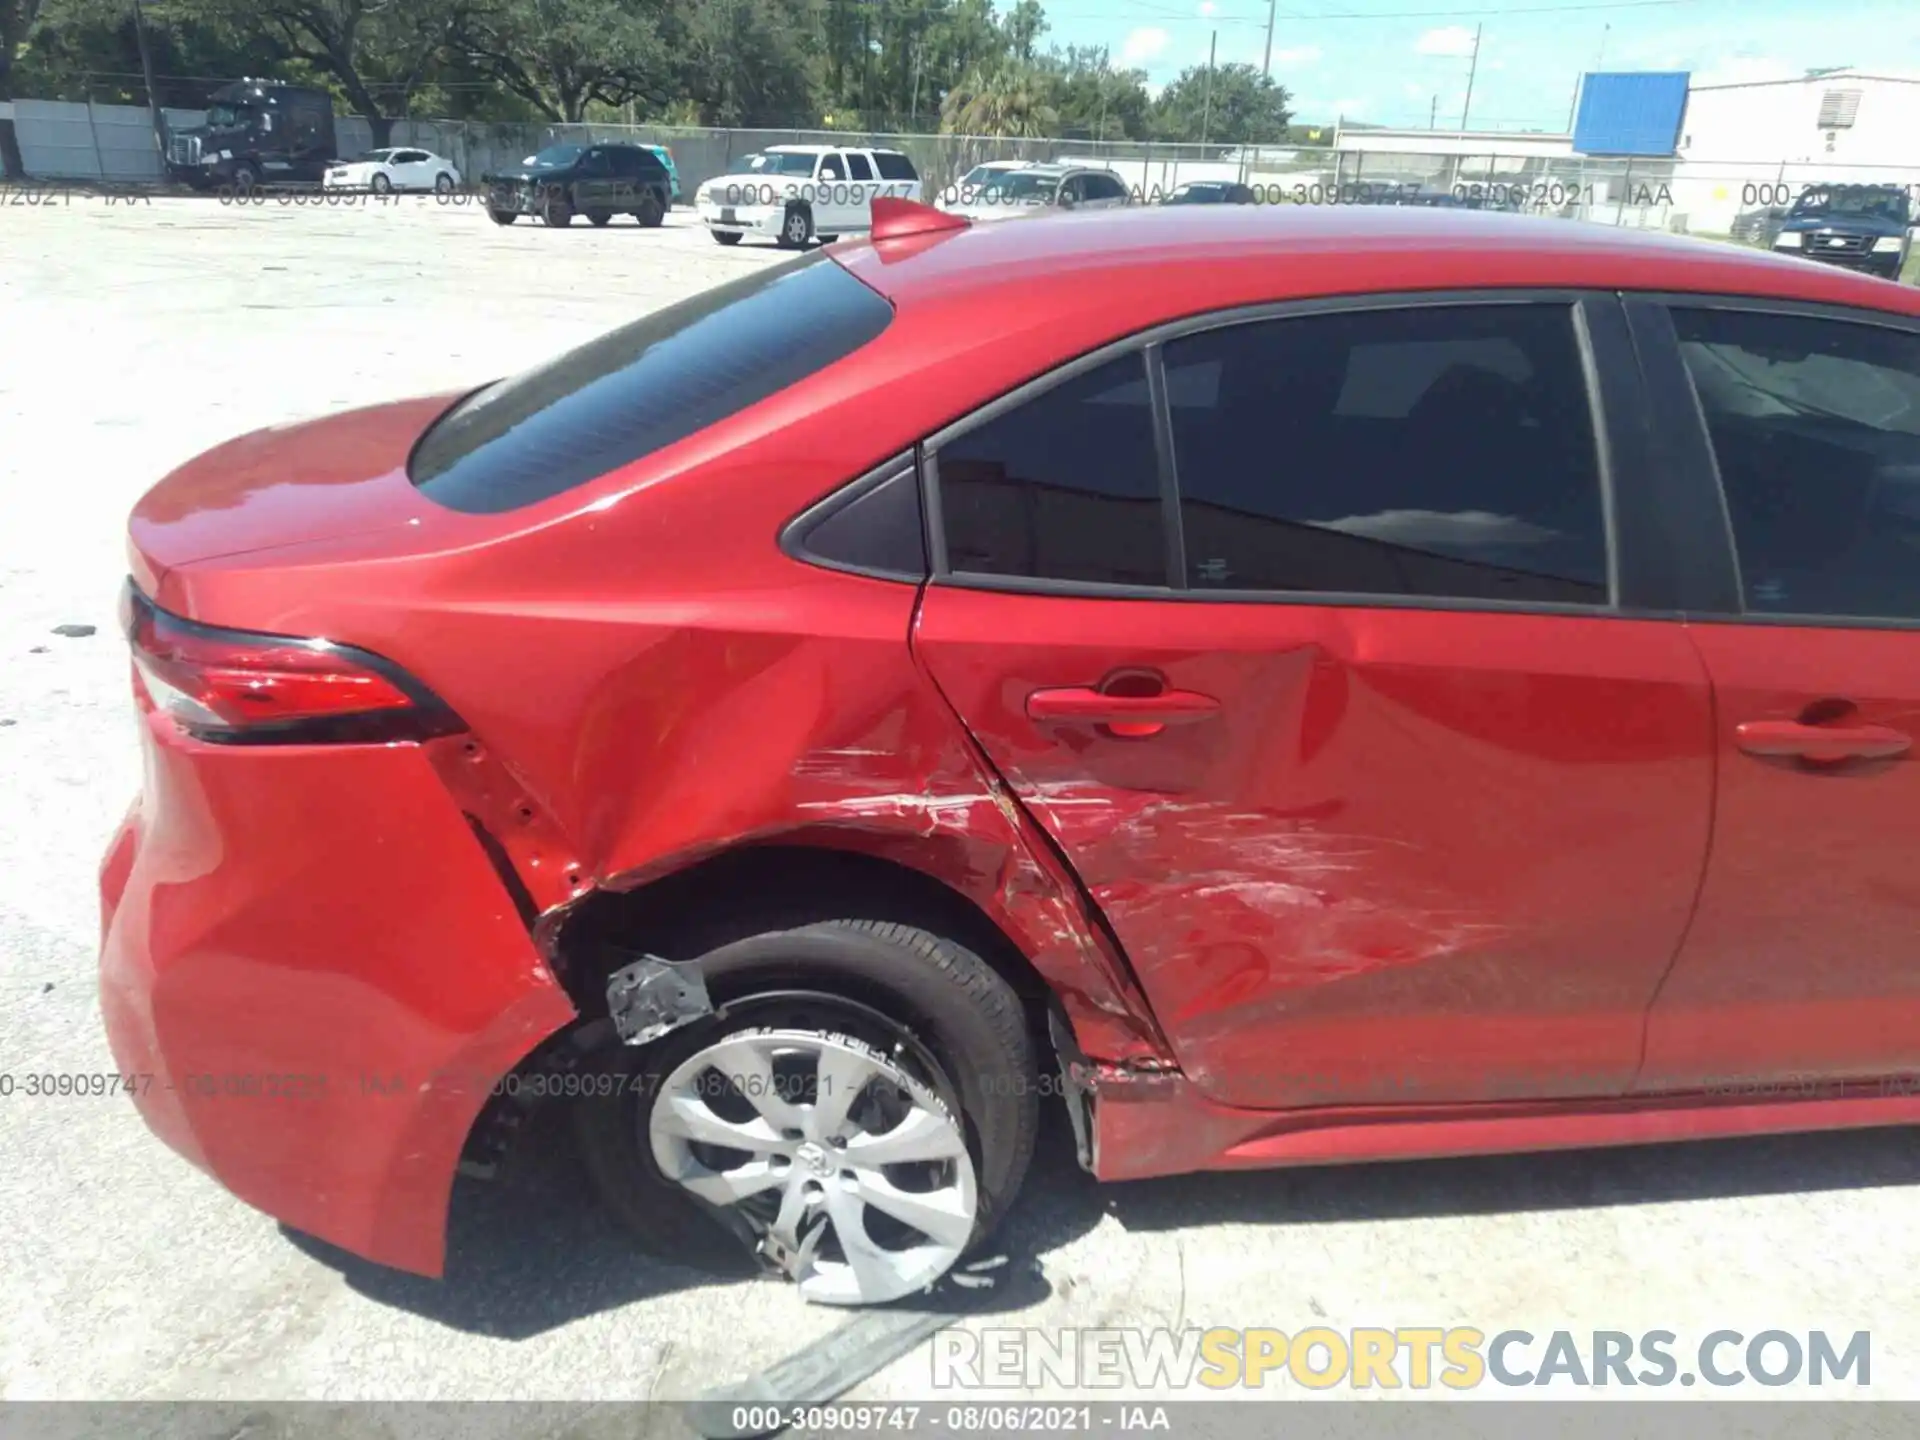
(1455, 1358)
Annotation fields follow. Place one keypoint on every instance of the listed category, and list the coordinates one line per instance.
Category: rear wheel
(443, 184)
(726, 237)
(502, 217)
(859, 1109)
(650, 212)
(599, 217)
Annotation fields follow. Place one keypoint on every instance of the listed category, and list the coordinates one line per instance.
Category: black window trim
(794, 534)
(1616, 371)
(1694, 463)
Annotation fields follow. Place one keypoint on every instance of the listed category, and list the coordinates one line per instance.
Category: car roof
(1133, 267)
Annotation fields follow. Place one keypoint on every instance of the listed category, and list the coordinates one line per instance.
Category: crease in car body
(1444, 841)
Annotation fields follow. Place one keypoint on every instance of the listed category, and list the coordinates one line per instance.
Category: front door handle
(1096, 707)
(1823, 744)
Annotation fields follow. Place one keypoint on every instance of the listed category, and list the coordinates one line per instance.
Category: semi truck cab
(256, 131)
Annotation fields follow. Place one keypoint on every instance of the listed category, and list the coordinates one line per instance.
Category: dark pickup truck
(598, 181)
(1863, 227)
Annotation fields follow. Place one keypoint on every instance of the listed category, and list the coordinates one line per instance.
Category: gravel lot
(132, 337)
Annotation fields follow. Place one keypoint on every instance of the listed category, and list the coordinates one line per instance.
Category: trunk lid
(324, 479)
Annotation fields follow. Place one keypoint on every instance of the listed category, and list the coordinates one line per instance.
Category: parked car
(394, 168)
(793, 194)
(598, 181)
(1759, 226)
(1211, 192)
(665, 157)
(982, 178)
(800, 728)
(1863, 227)
(1038, 188)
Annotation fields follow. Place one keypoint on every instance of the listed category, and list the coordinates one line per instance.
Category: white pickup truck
(796, 193)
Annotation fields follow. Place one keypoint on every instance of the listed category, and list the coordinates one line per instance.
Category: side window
(894, 166)
(858, 167)
(411, 157)
(1815, 427)
(595, 162)
(622, 161)
(1065, 487)
(832, 169)
(1442, 451)
(1104, 187)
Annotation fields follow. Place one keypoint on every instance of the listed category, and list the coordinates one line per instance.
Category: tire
(650, 212)
(380, 184)
(502, 217)
(725, 237)
(828, 239)
(555, 211)
(245, 178)
(443, 184)
(796, 228)
(898, 995)
(599, 217)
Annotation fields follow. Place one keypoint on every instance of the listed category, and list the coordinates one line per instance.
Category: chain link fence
(1743, 200)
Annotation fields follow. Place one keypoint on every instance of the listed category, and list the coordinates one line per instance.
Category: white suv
(795, 193)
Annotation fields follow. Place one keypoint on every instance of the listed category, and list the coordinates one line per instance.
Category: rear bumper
(312, 979)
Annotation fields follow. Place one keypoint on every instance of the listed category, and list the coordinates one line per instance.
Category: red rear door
(1385, 799)
(1802, 966)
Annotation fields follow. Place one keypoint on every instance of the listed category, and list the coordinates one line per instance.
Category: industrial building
(1656, 149)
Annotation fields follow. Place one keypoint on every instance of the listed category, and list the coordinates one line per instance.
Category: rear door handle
(1825, 744)
(1096, 707)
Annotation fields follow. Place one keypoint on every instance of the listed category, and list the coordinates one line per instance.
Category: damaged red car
(1297, 685)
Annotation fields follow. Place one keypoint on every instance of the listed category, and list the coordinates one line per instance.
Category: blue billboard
(1630, 112)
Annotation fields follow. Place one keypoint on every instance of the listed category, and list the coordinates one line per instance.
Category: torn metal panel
(652, 997)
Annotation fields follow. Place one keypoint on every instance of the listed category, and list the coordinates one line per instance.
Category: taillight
(234, 686)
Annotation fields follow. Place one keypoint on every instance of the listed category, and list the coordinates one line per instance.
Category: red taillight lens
(232, 685)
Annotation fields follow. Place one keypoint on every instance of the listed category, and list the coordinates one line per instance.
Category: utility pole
(1266, 62)
(1599, 59)
(1206, 108)
(1473, 67)
(1433, 113)
(146, 76)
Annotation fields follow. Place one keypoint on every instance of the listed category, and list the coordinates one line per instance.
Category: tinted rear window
(894, 166)
(646, 385)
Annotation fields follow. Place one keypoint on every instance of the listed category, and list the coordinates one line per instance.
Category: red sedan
(1300, 685)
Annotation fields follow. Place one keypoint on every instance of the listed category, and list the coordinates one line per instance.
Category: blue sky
(1385, 61)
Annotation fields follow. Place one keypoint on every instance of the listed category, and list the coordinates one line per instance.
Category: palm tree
(1010, 103)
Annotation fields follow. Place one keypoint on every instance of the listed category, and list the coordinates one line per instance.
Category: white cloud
(1447, 40)
(1313, 110)
(1298, 55)
(1207, 8)
(1143, 45)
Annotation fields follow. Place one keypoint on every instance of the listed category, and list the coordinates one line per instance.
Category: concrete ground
(132, 337)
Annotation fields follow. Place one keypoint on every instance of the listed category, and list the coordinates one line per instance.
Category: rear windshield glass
(645, 386)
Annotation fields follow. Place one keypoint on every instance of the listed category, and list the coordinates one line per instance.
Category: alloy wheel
(851, 1170)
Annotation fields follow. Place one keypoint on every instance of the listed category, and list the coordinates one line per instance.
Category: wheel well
(764, 887)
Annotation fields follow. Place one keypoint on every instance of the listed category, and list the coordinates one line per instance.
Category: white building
(1760, 144)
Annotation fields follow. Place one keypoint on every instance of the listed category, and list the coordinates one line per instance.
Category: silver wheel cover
(784, 1122)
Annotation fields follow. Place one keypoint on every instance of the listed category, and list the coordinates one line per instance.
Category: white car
(1041, 190)
(792, 194)
(394, 168)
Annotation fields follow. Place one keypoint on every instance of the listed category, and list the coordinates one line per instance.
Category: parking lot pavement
(132, 337)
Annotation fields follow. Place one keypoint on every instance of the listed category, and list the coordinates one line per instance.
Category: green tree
(17, 21)
(1095, 100)
(377, 52)
(751, 62)
(562, 55)
(1011, 102)
(1235, 105)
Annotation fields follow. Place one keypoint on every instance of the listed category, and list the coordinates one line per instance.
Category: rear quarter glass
(645, 386)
